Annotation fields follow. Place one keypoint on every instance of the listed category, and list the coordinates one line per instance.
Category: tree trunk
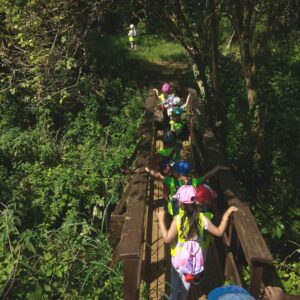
(215, 62)
(203, 85)
(242, 15)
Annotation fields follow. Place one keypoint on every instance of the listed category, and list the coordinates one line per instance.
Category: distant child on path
(132, 36)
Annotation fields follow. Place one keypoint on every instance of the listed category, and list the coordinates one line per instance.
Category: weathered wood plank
(133, 229)
(231, 269)
(132, 275)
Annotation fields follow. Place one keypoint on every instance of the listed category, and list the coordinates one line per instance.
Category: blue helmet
(229, 292)
(182, 167)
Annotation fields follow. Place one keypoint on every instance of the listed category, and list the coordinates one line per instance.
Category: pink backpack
(189, 259)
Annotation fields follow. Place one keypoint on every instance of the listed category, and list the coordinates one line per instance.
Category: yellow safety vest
(203, 237)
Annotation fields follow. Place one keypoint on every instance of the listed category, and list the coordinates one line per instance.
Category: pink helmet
(165, 88)
(185, 194)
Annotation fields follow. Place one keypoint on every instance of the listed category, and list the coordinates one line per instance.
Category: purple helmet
(165, 88)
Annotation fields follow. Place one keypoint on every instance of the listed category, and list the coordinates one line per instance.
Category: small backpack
(189, 260)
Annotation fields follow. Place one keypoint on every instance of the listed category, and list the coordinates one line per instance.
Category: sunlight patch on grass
(157, 50)
(150, 48)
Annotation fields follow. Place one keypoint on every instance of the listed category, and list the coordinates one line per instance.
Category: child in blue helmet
(170, 153)
(182, 176)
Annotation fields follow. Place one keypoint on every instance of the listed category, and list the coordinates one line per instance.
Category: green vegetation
(68, 125)
(158, 50)
(271, 183)
(71, 101)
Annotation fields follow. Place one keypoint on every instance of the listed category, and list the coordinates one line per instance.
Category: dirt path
(178, 73)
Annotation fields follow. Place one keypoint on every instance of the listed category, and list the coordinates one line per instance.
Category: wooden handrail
(244, 225)
(130, 211)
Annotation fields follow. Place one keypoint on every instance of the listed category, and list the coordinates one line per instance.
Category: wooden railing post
(130, 211)
(244, 227)
(132, 273)
(256, 274)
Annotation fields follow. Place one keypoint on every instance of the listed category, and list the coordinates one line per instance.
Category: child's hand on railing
(140, 170)
(230, 210)
(160, 214)
(274, 293)
(155, 91)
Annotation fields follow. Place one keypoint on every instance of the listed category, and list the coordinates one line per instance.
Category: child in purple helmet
(164, 98)
(165, 92)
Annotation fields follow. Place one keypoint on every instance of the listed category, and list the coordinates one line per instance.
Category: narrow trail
(178, 74)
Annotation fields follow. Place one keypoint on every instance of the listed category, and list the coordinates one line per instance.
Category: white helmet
(131, 26)
(176, 100)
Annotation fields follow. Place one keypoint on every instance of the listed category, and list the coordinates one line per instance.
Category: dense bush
(68, 125)
(271, 183)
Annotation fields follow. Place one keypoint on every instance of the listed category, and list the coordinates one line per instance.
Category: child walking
(188, 225)
(132, 36)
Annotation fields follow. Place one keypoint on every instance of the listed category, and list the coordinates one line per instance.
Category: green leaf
(29, 245)
(36, 295)
(49, 273)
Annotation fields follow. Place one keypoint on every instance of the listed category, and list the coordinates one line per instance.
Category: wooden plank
(249, 235)
(131, 279)
(132, 234)
(250, 239)
(133, 229)
(244, 222)
(115, 229)
(231, 271)
(156, 268)
(255, 279)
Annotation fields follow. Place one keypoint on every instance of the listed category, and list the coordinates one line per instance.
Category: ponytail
(191, 213)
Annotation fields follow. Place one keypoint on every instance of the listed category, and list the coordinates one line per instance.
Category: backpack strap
(189, 181)
(176, 183)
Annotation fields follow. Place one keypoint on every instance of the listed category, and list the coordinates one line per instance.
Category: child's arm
(167, 235)
(154, 174)
(186, 102)
(213, 171)
(156, 92)
(218, 231)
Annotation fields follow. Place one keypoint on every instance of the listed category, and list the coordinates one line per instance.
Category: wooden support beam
(231, 271)
(256, 270)
(132, 273)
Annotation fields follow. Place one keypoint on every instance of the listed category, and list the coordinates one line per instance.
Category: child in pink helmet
(164, 98)
(181, 176)
(188, 225)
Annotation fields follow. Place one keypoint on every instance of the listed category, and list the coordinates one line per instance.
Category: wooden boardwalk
(135, 234)
(157, 254)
